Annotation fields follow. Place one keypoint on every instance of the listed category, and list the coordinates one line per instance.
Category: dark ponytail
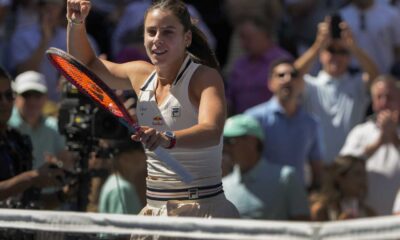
(199, 48)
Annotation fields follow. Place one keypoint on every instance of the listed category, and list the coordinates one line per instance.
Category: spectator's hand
(346, 215)
(347, 36)
(387, 121)
(151, 138)
(47, 176)
(323, 34)
(78, 10)
(66, 160)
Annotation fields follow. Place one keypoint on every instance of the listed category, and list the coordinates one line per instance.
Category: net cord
(199, 228)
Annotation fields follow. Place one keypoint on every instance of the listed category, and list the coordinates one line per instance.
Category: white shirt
(383, 167)
(339, 103)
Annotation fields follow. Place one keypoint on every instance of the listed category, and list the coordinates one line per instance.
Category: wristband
(172, 139)
(74, 21)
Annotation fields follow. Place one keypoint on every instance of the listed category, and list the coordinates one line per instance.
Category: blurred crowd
(313, 96)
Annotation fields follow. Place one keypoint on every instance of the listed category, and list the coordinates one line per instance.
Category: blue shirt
(267, 191)
(45, 137)
(288, 140)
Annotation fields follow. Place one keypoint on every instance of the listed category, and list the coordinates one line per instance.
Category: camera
(83, 124)
(336, 19)
(81, 121)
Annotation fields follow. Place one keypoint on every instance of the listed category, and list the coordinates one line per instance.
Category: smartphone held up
(336, 19)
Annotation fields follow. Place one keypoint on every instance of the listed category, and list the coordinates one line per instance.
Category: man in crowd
(258, 188)
(338, 97)
(28, 118)
(17, 179)
(378, 141)
(292, 136)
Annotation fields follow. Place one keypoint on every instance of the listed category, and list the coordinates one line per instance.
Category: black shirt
(15, 154)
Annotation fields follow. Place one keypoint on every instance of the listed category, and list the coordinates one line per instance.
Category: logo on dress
(157, 121)
(142, 110)
(176, 111)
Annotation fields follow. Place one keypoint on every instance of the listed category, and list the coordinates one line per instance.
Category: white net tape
(197, 228)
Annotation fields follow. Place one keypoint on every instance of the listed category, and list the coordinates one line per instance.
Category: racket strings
(86, 84)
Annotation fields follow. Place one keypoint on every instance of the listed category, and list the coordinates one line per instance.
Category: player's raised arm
(117, 76)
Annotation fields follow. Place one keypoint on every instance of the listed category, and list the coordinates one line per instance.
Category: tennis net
(49, 225)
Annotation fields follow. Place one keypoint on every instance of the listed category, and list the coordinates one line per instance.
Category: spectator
(29, 43)
(17, 179)
(378, 36)
(336, 96)
(292, 136)
(236, 10)
(28, 118)
(258, 188)
(247, 85)
(377, 140)
(343, 192)
(303, 17)
(26, 12)
(124, 189)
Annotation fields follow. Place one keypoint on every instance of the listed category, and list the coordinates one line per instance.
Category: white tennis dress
(166, 193)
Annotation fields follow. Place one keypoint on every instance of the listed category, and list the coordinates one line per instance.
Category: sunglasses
(338, 51)
(8, 95)
(294, 74)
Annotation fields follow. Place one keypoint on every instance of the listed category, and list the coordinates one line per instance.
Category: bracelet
(172, 139)
(74, 21)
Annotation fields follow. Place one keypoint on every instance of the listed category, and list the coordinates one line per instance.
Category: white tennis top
(176, 112)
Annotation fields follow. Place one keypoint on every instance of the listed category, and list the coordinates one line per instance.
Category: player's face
(164, 37)
(6, 101)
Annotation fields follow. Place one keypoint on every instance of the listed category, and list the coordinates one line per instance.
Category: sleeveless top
(176, 112)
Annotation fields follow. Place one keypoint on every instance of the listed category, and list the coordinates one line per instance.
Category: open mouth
(159, 52)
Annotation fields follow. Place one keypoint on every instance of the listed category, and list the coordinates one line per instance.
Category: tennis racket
(88, 83)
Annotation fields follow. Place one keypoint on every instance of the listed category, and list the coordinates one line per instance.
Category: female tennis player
(181, 106)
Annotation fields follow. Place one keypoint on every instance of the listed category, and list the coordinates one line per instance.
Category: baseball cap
(243, 125)
(30, 80)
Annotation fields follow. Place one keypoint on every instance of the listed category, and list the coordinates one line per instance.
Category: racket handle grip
(164, 156)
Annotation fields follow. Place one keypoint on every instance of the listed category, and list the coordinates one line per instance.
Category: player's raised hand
(78, 10)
